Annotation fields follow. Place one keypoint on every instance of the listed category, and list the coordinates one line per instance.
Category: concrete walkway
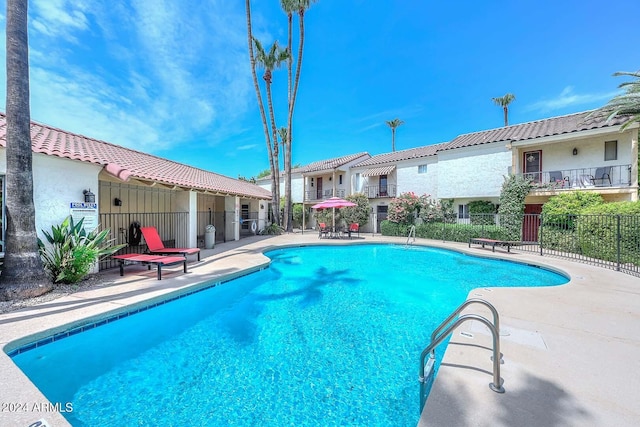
(570, 352)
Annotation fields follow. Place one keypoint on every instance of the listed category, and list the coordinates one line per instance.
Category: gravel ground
(92, 281)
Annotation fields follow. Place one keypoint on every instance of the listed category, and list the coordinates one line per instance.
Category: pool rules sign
(86, 211)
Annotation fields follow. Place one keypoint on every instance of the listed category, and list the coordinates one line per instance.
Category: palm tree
(23, 275)
(393, 124)
(270, 61)
(504, 102)
(626, 104)
(273, 165)
(289, 7)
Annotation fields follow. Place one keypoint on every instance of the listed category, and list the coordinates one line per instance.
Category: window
(532, 164)
(357, 182)
(611, 150)
(422, 168)
(340, 180)
(463, 211)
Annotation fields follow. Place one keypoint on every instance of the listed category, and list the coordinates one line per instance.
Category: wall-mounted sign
(86, 211)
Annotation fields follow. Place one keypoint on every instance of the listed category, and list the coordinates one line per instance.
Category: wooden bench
(148, 260)
(493, 243)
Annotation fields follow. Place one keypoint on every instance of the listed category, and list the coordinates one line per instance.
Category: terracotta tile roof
(334, 163)
(396, 156)
(537, 129)
(125, 163)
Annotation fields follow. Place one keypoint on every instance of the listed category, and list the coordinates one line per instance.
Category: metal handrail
(412, 232)
(496, 318)
(436, 339)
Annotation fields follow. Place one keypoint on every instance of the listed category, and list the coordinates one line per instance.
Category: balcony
(584, 178)
(317, 195)
(377, 191)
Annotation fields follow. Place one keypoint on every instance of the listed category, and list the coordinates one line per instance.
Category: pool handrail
(437, 338)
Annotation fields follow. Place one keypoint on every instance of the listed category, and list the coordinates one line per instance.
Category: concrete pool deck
(570, 352)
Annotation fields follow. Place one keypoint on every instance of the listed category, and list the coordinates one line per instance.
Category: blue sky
(172, 77)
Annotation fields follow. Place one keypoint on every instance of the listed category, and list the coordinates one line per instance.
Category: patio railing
(565, 179)
(377, 191)
(313, 195)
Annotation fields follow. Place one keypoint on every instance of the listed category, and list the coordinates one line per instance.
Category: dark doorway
(319, 188)
(382, 215)
(531, 222)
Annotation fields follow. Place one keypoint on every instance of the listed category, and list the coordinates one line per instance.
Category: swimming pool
(325, 336)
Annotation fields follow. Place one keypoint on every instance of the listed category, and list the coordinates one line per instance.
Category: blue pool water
(325, 336)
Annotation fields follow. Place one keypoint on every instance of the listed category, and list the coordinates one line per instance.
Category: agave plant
(72, 251)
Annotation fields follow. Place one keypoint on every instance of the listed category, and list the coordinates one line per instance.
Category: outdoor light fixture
(117, 202)
(575, 151)
(261, 206)
(89, 197)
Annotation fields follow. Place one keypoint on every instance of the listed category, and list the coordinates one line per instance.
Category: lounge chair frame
(149, 260)
(156, 247)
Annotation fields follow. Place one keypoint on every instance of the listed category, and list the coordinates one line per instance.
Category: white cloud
(246, 147)
(567, 98)
(149, 74)
(59, 18)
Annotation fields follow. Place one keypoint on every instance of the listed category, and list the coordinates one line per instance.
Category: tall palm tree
(290, 7)
(271, 60)
(23, 275)
(626, 104)
(393, 124)
(504, 102)
(273, 165)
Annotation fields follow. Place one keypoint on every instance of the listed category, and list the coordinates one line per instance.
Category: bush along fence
(611, 241)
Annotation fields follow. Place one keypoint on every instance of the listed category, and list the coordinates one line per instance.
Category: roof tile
(124, 162)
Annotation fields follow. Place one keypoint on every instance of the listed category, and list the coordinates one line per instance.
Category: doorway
(531, 222)
(381, 212)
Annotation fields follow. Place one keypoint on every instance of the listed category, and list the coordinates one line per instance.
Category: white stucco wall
(473, 172)
(56, 183)
(408, 178)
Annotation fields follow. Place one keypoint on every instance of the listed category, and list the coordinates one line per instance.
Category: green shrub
(600, 226)
(388, 228)
(514, 190)
(560, 211)
(72, 251)
(356, 214)
(482, 212)
(272, 229)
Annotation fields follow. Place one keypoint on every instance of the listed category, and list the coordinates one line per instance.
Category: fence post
(619, 238)
(540, 233)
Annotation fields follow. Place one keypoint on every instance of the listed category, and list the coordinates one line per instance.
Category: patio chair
(323, 230)
(556, 178)
(354, 228)
(602, 174)
(156, 247)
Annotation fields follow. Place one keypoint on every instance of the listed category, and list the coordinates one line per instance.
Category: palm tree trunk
(274, 167)
(506, 116)
(288, 211)
(393, 139)
(23, 275)
(274, 132)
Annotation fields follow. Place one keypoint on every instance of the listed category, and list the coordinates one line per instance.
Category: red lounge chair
(323, 231)
(156, 247)
(157, 260)
(354, 228)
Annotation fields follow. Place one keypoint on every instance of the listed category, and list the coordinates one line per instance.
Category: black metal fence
(610, 241)
(172, 228)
